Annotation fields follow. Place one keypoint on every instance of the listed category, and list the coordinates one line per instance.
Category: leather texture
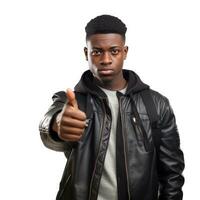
(151, 174)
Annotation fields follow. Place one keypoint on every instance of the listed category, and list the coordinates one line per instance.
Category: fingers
(71, 138)
(71, 133)
(70, 122)
(76, 114)
(71, 98)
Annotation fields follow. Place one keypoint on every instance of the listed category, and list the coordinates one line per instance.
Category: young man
(106, 132)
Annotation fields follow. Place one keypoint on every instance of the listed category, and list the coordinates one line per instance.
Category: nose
(106, 59)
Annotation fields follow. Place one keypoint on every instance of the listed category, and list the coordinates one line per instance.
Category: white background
(41, 52)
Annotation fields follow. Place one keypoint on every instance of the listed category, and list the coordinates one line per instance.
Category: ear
(86, 53)
(125, 52)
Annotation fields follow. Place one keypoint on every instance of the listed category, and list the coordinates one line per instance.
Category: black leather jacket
(150, 174)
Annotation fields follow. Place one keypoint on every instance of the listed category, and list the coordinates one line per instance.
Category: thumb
(71, 98)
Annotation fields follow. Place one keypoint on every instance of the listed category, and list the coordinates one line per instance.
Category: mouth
(105, 71)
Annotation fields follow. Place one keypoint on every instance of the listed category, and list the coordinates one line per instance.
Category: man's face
(105, 54)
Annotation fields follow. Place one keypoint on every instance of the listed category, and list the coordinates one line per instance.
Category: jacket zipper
(104, 121)
(138, 128)
(124, 152)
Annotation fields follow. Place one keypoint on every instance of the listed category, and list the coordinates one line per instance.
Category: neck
(112, 85)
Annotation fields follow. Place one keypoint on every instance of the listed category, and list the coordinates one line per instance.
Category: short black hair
(105, 24)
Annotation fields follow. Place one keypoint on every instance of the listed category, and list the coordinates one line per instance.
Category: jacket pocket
(140, 133)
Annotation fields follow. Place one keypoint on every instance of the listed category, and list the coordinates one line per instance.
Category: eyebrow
(113, 47)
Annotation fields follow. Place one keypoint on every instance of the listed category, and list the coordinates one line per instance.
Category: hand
(71, 122)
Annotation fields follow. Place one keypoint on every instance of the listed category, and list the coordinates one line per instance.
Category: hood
(87, 85)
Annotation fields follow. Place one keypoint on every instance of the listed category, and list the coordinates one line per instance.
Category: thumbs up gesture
(71, 122)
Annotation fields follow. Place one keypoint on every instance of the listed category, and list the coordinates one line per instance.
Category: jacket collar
(87, 85)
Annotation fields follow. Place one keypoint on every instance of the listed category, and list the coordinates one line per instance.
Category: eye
(115, 51)
(95, 52)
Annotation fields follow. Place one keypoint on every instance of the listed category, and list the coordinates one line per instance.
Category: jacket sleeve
(170, 156)
(50, 138)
